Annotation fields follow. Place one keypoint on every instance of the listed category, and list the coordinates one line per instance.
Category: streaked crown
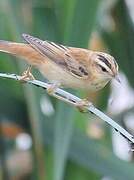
(106, 63)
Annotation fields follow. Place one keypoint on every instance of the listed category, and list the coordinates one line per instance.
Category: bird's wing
(61, 55)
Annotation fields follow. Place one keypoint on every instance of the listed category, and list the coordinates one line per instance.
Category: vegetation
(65, 143)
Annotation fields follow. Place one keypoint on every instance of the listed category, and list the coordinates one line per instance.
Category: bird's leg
(27, 75)
(52, 88)
(81, 105)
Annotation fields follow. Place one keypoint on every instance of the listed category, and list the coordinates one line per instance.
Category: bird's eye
(103, 69)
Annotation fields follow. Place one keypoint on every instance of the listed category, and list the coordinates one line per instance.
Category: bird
(64, 66)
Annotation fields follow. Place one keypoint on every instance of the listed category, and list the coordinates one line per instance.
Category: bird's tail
(21, 50)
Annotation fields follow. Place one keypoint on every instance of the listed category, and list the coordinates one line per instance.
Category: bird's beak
(117, 79)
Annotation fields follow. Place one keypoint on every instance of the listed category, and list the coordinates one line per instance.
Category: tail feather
(21, 50)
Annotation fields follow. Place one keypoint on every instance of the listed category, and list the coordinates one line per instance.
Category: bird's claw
(27, 75)
(52, 88)
(83, 104)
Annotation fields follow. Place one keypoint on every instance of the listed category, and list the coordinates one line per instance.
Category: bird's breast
(54, 73)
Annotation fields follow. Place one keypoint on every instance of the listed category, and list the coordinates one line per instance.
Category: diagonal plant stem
(74, 100)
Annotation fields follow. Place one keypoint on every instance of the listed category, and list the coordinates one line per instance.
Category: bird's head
(104, 65)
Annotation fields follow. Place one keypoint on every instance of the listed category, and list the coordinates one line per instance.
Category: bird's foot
(83, 104)
(27, 75)
(52, 88)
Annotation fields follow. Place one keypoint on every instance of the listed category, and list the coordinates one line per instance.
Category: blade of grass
(64, 122)
(99, 154)
(33, 107)
(71, 24)
(91, 154)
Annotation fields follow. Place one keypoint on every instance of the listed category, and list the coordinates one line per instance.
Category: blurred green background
(44, 139)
